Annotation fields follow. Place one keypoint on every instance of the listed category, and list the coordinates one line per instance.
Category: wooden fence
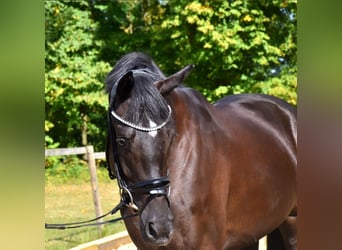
(91, 156)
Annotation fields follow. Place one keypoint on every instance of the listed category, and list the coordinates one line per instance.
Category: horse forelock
(128, 62)
(146, 102)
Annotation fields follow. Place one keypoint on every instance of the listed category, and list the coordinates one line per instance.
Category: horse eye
(121, 141)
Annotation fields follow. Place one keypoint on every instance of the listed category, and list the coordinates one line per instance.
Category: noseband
(154, 187)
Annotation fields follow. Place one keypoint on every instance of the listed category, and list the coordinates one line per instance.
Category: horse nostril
(152, 231)
(158, 233)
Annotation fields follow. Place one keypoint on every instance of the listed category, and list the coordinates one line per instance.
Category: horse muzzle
(156, 222)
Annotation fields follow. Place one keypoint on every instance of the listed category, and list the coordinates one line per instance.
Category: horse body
(232, 171)
(247, 182)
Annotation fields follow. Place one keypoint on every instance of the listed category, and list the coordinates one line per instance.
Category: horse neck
(194, 120)
(191, 106)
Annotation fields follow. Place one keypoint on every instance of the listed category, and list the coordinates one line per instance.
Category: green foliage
(74, 75)
(70, 169)
(237, 47)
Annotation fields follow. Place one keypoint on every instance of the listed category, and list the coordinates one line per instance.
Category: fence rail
(91, 156)
(72, 151)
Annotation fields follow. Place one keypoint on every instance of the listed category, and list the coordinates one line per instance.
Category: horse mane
(146, 102)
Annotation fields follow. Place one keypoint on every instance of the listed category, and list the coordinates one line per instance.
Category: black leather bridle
(153, 188)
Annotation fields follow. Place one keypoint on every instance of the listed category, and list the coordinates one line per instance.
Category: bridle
(153, 187)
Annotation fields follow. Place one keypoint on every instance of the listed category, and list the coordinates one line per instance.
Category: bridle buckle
(130, 203)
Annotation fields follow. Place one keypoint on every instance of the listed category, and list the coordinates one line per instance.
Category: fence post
(94, 183)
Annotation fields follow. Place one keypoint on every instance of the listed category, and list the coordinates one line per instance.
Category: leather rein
(153, 187)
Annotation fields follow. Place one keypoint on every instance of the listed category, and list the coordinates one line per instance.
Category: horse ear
(173, 81)
(124, 87)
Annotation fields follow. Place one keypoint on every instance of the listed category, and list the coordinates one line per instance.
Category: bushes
(72, 169)
(67, 169)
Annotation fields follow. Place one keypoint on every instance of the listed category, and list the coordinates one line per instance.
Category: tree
(237, 47)
(75, 102)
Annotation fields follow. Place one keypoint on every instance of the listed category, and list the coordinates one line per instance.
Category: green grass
(70, 199)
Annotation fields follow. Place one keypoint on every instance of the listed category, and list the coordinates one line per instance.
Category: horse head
(141, 130)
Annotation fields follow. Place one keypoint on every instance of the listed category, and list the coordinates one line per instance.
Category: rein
(91, 222)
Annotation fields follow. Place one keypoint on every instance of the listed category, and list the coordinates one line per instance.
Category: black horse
(200, 176)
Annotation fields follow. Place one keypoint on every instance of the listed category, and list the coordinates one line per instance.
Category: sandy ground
(130, 246)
